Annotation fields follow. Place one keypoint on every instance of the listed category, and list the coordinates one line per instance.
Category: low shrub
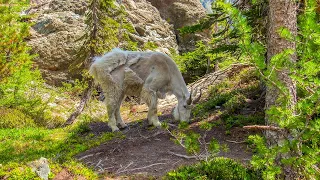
(242, 120)
(217, 168)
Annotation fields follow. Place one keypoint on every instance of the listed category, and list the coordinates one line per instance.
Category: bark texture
(282, 14)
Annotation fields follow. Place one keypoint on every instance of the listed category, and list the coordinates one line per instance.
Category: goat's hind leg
(112, 104)
(118, 115)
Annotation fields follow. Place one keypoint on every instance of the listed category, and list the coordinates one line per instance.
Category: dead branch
(144, 167)
(260, 127)
(84, 100)
(183, 156)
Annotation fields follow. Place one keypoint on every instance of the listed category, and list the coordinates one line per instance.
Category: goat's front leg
(150, 97)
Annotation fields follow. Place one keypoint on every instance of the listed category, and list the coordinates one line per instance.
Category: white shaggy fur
(149, 75)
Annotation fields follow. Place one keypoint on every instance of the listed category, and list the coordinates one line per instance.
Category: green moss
(13, 118)
(150, 46)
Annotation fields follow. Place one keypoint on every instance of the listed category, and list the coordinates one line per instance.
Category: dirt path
(149, 152)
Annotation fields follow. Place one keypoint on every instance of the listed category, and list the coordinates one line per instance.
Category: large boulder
(55, 37)
(149, 25)
(58, 25)
(182, 13)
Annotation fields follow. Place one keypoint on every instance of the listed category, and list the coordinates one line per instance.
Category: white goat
(148, 75)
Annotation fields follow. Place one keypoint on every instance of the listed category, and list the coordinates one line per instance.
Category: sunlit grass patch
(230, 98)
(18, 147)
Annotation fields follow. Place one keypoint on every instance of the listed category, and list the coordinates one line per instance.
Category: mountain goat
(148, 75)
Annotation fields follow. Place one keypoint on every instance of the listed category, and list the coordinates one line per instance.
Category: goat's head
(182, 111)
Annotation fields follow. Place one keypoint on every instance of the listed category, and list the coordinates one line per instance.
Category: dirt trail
(149, 151)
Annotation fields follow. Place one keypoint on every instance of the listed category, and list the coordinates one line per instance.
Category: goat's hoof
(123, 126)
(157, 124)
(116, 129)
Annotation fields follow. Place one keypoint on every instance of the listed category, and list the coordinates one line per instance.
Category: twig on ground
(144, 136)
(108, 167)
(97, 165)
(237, 142)
(260, 127)
(144, 167)
(177, 162)
(154, 135)
(188, 157)
(84, 157)
(172, 125)
(183, 156)
(123, 169)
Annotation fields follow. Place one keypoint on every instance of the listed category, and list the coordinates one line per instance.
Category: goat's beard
(175, 113)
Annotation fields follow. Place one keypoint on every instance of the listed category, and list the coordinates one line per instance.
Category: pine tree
(14, 28)
(19, 78)
(16, 67)
(107, 28)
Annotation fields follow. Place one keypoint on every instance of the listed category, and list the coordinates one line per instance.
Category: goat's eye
(185, 106)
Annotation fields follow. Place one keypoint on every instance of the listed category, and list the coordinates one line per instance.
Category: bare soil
(148, 152)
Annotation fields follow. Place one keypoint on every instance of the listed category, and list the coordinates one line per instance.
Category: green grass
(18, 147)
(230, 95)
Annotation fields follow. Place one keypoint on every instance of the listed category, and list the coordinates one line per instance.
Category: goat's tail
(100, 73)
(97, 71)
(93, 70)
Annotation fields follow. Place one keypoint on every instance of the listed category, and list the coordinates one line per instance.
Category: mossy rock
(14, 118)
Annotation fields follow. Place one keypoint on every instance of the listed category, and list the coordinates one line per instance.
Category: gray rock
(59, 24)
(41, 167)
(54, 37)
(182, 13)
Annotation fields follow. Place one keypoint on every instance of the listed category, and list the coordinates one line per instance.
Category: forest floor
(145, 152)
(89, 150)
(148, 152)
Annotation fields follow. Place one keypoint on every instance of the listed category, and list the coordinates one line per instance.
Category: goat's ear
(195, 92)
(189, 101)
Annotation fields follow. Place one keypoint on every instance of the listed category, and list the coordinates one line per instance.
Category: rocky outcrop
(55, 37)
(58, 25)
(182, 13)
(149, 25)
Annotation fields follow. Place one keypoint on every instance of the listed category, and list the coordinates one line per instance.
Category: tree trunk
(84, 100)
(216, 65)
(208, 65)
(282, 13)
